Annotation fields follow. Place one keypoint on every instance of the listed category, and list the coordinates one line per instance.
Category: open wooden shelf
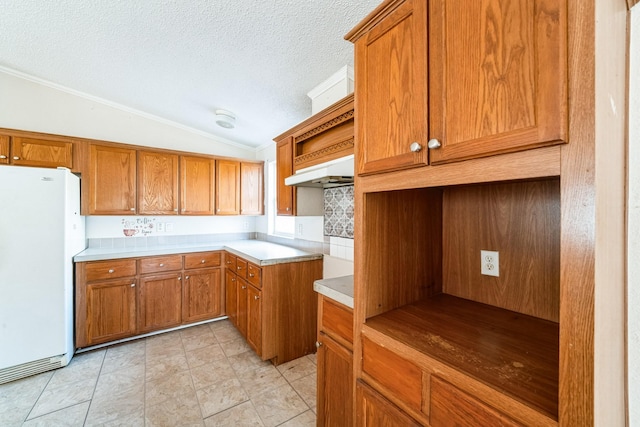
(513, 353)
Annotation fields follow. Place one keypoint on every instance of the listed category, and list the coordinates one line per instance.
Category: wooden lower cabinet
(373, 410)
(121, 298)
(110, 312)
(159, 301)
(335, 364)
(274, 306)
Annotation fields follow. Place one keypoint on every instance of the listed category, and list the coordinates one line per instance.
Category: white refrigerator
(40, 231)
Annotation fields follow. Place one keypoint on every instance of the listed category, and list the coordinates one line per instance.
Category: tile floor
(205, 375)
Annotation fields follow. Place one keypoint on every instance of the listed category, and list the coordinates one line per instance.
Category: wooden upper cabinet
(4, 149)
(285, 195)
(227, 187)
(251, 188)
(45, 153)
(197, 175)
(112, 180)
(498, 76)
(391, 88)
(157, 183)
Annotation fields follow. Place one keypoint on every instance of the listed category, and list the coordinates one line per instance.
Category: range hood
(330, 174)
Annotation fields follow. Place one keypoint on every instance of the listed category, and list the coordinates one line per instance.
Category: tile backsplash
(338, 211)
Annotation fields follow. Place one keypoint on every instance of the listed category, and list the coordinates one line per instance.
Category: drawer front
(159, 264)
(111, 269)
(230, 261)
(452, 406)
(398, 375)
(202, 260)
(254, 275)
(337, 320)
(241, 267)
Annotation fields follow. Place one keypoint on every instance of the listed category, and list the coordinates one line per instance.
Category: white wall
(33, 106)
(633, 230)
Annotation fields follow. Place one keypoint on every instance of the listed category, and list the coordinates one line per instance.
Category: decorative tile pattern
(338, 211)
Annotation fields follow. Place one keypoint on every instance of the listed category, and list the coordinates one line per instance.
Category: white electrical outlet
(168, 227)
(300, 230)
(160, 227)
(490, 263)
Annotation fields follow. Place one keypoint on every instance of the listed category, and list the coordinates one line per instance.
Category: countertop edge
(339, 289)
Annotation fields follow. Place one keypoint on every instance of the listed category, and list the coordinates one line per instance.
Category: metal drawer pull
(111, 270)
(244, 287)
(256, 297)
(2, 156)
(161, 265)
(239, 268)
(186, 277)
(251, 275)
(16, 158)
(318, 344)
(415, 147)
(202, 262)
(133, 285)
(433, 143)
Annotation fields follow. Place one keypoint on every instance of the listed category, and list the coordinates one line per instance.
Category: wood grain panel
(157, 183)
(373, 410)
(41, 152)
(110, 311)
(402, 247)
(451, 406)
(197, 190)
(241, 292)
(203, 260)
(254, 319)
(110, 269)
(4, 149)
(335, 384)
(254, 275)
(227, 187)
(159, 301)
(231, 296)
(201, 294)
(498, 76)
(112, 180)
(285, 195)
(336, 320)
(521, 221)
(251, 188)
(160, 264)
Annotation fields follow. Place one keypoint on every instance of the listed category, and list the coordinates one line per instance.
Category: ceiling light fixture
(225, 119)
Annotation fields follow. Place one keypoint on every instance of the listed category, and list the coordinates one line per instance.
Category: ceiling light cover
(225, 119)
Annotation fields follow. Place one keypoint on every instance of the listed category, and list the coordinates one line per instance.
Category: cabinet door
(231, 296)
(41, 152)
(197, 176)
(498, 76)
(201, 295)
(254, 319)
(251, 188)
(157, 183)
(227, 187)
(335, 383)
(111, 310)
(4, 150)
(160, 301)
(285, 195)
(391, 83)
(112, 180)
(373, 410)
(241, 286)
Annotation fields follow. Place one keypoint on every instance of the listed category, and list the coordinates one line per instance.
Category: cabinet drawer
(452, 406)
(254, 275)
(202, 260)
(159, 264)
(337, 320)
(399, 376)
(241, 267)
(230, 261)
(111, 269)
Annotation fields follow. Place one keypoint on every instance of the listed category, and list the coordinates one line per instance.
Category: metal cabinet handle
(202, 261)
(132, 209)
(288, 209)
(111, 270)
(133, 285)
(256, 297)
(434, 143)
(175, 209)
(179, 278)
(244, 287)
(233, 279)
(415, 147)
(2, 156)
(239, 268)
(318, 344)
(16, 158)
(186, 277)
(251, 275)
(161, 265)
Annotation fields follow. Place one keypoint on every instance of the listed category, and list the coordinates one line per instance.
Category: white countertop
(256, 251)
(338, 289)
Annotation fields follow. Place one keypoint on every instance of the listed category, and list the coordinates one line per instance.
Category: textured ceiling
(182, 59)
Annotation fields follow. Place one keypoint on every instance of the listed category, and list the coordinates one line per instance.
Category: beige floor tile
(257, 381)
(18, 397)
(220, 396)
(180, 411)
(313, 358)
(163, 342)
(63, 395)
(237, 346)
(242, 415)
(162, 367)
(226, 333)
(72, 416)
(193, 342)
(124, 355)
(306, 419)
(197, 330)
(296, 369)
(247, 360)
(217, 371)
(204, 355)
(82, 367)
(128, 380)
(279, 405)
(169, 387)
(307, 389)
(111, 410)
